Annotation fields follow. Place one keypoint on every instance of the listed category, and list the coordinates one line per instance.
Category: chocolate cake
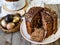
(54, 18)
(47, 23)
(38, 34)
(41, 18)
(35, 10)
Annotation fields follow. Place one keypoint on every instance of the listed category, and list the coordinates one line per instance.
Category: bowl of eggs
(10, 23)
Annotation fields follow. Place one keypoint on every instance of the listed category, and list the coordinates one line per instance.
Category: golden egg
(16, 19)
(10, 25)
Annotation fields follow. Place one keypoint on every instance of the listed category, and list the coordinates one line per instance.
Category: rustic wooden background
(17, 39)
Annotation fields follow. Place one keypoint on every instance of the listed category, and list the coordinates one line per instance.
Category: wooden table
(17, 39)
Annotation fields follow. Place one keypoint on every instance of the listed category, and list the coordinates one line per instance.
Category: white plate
(52, 38)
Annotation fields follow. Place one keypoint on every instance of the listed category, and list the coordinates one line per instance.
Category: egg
(10, 25)
(16, 19)
(9, 18)
(3, 23)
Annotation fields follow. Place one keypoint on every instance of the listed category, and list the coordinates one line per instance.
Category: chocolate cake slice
(47, 23)
(54, 18)
(38, 35)
(34, 10)
(36, 21)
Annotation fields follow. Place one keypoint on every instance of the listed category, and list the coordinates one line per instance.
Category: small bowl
(15, 29)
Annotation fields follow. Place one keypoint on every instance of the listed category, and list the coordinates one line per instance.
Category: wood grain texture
(23, 41)
(16, 39)
(2, 39)
(8, 38)
(34, 44)
(0, 9)
(58, 7)
(5, 39)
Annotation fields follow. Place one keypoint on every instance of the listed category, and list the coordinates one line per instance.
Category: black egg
(9, 18)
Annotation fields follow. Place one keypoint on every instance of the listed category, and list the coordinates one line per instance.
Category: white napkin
(37, 2)
(51, 1)
(42, 2)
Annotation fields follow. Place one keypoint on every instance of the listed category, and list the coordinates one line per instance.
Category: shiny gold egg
(16, 19)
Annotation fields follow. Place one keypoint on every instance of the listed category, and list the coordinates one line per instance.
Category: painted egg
(10, 25)
(16, 19)
(9, 18)
(3, 23)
